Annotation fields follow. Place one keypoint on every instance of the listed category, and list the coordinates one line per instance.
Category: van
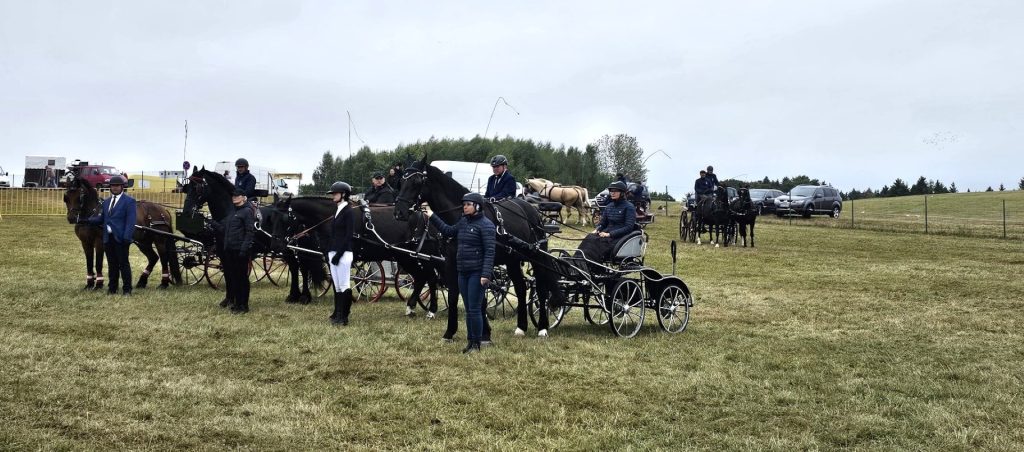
(285, 184)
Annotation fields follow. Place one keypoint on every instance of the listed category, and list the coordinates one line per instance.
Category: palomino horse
(571, 196)
(744, 213)
(83, 202)
(520, 224)
(80, 198)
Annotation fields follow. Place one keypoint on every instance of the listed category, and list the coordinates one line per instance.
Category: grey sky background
(855, 92)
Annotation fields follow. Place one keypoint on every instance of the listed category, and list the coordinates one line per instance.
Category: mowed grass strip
(817, 338)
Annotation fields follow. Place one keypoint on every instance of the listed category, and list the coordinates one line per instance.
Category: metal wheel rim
(673, 309)
(213, 271)
(595, 310)
(368, 281)
(627, 308)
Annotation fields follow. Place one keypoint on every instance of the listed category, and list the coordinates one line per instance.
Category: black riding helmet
(116, 180)
(475, 198)
(617, 185)
(499, 160)
(242, 162)
(340, 187)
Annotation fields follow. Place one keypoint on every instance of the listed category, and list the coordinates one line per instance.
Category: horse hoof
(163, 286)
(716, 245)
(519, 332)
(430, 315)
(409, 312)
(542, 334)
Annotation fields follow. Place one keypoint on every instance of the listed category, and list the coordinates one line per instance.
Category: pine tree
(989, 188)
(1020, 185)
(1002, 188)
(920, 187)
(952, 187)
(939, 188)
(899, 188)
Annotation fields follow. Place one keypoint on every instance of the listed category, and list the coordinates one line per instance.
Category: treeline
(565, 165)
(785, 184)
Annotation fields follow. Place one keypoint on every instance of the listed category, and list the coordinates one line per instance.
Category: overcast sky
(856, 92)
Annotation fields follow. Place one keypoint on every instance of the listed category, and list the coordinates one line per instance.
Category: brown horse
(571, 196)
(82, 201)
(81, 204)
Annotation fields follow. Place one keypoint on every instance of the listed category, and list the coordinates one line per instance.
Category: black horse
(214, 190)
(82, 199)
(377, 235)
(715, 216)
(520, 233)
(744, 213)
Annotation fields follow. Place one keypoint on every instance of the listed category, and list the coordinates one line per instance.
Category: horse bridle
(81, 204)
(200, 194)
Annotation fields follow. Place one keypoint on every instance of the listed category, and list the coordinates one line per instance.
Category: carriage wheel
(327, 284)
(192, 257)
(626, 308)
(276, 270)
(555, 315)
(213, 271)
(368, 281)
(500, 296)
(442, 299)
(684, 224)
(595, 308)
(674, 309)
(403, 283)
(257, 272)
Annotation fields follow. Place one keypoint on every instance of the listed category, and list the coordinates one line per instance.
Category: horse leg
(515, 274)
(90, 277)
(165, 262)
(97, 250)
(146, 246)
(452, 282)
(752, 232)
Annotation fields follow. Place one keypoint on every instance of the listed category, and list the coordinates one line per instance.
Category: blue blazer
(118, 225)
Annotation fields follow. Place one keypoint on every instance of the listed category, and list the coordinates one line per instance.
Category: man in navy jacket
(501, 184)
(117, 216)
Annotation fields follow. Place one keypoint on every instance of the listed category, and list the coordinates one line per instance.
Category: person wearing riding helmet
(339, 251)
(501, 184)
(245, 180)
(117, 215)
(712, 178)
(618, 218)
(474, 260)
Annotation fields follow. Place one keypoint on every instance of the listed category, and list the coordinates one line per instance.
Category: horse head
(81, 200)
(414, 189)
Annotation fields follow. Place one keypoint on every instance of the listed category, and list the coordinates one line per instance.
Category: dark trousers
(236, 278)
(473, 296)
(119, 267)
(597, 248)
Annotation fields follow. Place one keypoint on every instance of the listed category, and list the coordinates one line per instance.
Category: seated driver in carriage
(618, 218)
(380, 192)
(703, 188)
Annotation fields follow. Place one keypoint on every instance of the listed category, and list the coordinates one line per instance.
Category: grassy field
(820, 338)
(977, 214)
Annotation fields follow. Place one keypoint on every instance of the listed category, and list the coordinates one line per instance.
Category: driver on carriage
(245, 181)
(379, 192)
(703, 188)
(501, 184)
(618, 218)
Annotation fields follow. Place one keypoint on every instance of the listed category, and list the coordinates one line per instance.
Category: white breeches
(340, 273)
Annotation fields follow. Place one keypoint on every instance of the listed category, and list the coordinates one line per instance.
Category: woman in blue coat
(474, 261)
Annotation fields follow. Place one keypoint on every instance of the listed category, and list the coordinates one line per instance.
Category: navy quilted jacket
(476, 243)
(618, 218)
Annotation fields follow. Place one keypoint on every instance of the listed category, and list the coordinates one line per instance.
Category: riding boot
(227, 302)
(344, 307)
(336, 315)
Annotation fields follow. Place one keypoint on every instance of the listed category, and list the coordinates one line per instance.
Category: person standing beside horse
(475, 261)
(245, 180)
(117, 216)
(618, 218)
(239, 229)
(339, 251)
(379, 192)
(501, 184)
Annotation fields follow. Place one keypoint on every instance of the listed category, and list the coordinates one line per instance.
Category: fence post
(852, 213)
(925, 214)
(666, 200)
(1004, 218)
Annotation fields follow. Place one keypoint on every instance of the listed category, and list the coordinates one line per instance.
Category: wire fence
(958, 215)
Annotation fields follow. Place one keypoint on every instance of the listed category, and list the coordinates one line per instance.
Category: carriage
(616, 292)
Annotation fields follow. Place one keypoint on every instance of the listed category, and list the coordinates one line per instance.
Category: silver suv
(810, 200)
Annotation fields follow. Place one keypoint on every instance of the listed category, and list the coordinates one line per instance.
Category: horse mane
(448, 185)
(219, 179)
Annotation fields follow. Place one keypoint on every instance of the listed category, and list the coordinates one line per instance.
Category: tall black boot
(346, 306)
(336, 315)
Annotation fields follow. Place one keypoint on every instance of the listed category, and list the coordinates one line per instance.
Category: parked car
(691, 199)
(810, 200)
(97, 175)
(764, 199)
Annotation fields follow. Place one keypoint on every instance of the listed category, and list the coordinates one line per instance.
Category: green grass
(817, 339)
(978, 214)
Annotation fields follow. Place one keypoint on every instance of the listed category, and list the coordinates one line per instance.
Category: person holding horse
(474, 259)
(117, 215)
(501, 184)
(239, 229)
(245, 180)
(618, 218)
(339, 251)
(379, 192)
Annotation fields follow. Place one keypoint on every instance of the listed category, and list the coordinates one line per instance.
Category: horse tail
(315, 266)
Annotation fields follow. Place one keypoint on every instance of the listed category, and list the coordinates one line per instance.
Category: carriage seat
(629, 246)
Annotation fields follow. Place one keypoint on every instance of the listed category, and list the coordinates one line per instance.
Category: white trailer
(36, 170)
